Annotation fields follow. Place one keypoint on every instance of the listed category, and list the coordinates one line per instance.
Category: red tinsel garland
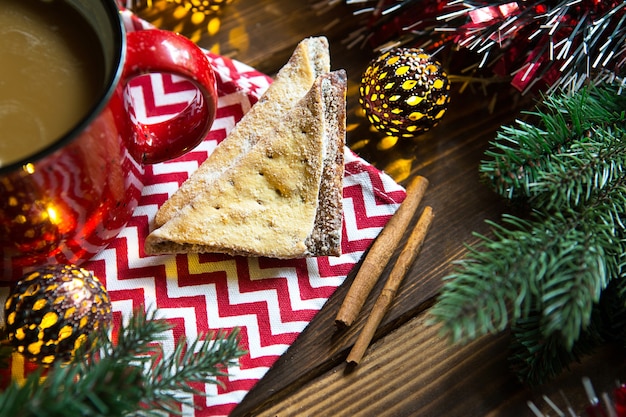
(539, 44)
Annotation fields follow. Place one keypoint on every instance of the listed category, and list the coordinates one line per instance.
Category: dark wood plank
(408, 370)
(414, 372)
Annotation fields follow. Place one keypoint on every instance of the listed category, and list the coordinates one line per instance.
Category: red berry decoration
(52, 310)
(404, 92)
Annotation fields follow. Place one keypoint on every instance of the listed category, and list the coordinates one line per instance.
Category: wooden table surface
(409, 369)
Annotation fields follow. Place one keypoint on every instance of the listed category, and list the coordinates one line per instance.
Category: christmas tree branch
(198, 362)
(520, 155)
(535, 362)
(132, 377)
(549, 264)
(587, 171)
(545, 276)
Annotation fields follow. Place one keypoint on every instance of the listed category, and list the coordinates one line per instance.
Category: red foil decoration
(525, 36)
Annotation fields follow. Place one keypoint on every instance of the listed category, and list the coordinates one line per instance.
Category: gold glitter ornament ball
(404, 92)
(52, 310)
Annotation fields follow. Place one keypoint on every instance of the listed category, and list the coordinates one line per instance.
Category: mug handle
(161, 51)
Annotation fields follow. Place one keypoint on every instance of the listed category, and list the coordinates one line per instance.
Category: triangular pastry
(310, 59)
(281, 197)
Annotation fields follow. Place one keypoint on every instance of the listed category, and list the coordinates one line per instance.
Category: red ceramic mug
(68, 199)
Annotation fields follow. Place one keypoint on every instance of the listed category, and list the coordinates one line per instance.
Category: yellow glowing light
(180, 12)
(19, 334)
(29, 168)
(402, 70)
(39, 304)
(414, 100)
(17, 368)
(400, 169)
(387, 142)
(416, 116)
(69, 312)
(409, 84)
(351, 127)
(179, 27)
(196, 35)
(49, 319)
(79, 341)
(239, 38)
(360, 144)
(35, 348)
(48, 359)
(65, 332)
(213, 26)
(197, 18)
(53, 214)
(215, 48)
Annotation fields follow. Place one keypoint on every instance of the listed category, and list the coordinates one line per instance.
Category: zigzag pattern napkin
(271, 301)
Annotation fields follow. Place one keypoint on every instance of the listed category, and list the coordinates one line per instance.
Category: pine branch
(589, 170)
(552, 264)
(555, 279)
(535, 359)
(135, 338)
(131, 377)
(535, 362)
(566, 124)
(106, 389)
(199, 362)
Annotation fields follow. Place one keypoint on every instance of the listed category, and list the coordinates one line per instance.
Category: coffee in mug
(51, 72)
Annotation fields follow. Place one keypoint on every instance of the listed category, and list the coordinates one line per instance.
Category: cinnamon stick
(380, 253)
(383, 302)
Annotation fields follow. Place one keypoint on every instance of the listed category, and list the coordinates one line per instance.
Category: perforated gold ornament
(51, 311)
(404, 92)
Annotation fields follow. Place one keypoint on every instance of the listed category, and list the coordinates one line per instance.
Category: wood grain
(409, 369)
(414, 372)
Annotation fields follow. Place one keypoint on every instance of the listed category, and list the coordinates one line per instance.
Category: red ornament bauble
(404, 92)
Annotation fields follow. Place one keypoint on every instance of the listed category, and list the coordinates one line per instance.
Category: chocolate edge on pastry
(325, 239)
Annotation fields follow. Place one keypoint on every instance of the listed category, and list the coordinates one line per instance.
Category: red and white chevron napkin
(271, 301)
